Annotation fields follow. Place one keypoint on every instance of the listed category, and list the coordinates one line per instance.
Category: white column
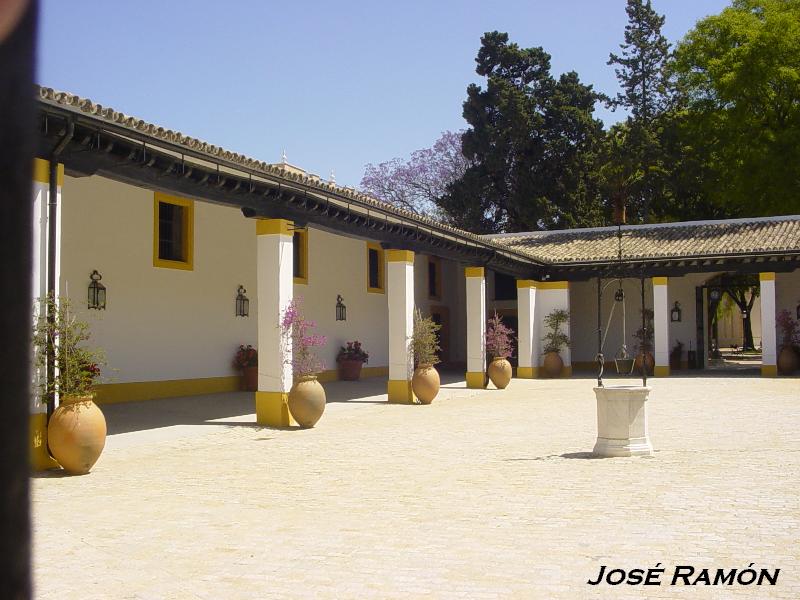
(274, 277)
(39, 457)
(660, 327)
(550, 296)
(400, 296)
(769, 347)
(528, 359)
(476, 327)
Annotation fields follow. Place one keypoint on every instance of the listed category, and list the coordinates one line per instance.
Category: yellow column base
(527, 372)
(272, 409)
(399, 391)
(476, 380)
(769, 370)
(661, 371)
(39, 457)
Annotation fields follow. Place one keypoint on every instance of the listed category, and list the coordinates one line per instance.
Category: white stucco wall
(159, 324)
(165, 324)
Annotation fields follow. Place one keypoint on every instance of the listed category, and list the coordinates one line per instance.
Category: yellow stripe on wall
(112, 393)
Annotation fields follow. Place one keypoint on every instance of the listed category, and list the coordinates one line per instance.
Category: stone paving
(484, 494)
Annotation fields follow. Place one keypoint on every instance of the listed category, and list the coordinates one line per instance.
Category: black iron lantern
(675, 313)
(341, 309)
(242, 303)
(715, 294)
(97, 292)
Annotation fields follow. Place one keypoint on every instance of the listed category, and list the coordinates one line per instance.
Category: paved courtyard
(481, 495)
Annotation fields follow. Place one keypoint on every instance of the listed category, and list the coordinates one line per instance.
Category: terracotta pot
(250, 379)
(350, 370)
(649, 363)
(499, 372)
(788, 360)
(425, 383)
(76, 434)
(552, 364)
(307, 401)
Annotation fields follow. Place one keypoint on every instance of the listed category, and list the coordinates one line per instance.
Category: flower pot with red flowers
(76, 432)
(499, 346)
(246, 362)
(350, 359)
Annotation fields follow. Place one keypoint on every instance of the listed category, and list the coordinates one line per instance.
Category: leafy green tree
(642, 74)
(739, 77)
(532, 145)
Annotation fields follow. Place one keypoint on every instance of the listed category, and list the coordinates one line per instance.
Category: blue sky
(337, 84)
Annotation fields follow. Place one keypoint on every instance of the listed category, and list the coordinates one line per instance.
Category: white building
(175, 226)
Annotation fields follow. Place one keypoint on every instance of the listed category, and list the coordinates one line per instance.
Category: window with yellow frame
(300, 255)
(173, 232)
(376, 269)
(434, 278)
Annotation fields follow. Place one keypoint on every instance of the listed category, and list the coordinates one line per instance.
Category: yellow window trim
(303, 235)
(437, 263)
(188, 224)
(381, 269)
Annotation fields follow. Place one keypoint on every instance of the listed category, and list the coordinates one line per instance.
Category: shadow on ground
(222, 409)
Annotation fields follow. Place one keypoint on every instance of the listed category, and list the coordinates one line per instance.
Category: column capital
(525, 283)
(41, 172)
(273, 227)
(394, 255)
(766, 276)
(660, 280)
(552, 285)
(473, 271)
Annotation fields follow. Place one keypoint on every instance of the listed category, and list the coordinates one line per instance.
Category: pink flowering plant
(790, 329)
(297, 328)
(499, 338)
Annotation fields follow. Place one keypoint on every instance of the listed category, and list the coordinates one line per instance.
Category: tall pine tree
(641, 71)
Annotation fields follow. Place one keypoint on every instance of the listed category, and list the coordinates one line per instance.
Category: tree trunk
(747, 326)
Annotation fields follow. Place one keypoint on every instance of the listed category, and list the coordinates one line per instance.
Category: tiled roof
(291, 174)
(662, 241)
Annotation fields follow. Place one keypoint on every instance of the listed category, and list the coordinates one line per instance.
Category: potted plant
(76, 432)
(554, 341)
(424, 346)
(246, 362)
(675, 356)
(499, 346)
(350, 359)
(306, 396)
(789, 354)
(645, 346)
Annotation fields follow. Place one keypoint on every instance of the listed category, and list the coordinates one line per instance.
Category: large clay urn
(499, 372)
(350, 370)
(649, 363)
(552, 364)
(425, 383)
(307, 401)
(76, 434)
(788, 360)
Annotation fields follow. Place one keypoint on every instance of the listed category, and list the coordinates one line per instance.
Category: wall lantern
(341, 309)
(715, 294)
(675, 313)
(242, 303)
(97, 292)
